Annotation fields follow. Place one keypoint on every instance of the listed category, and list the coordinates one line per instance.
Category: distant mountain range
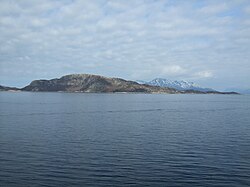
(99, 84)
(178, 85)
(239, 90)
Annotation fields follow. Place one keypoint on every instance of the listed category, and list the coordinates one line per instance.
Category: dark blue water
(70, 139)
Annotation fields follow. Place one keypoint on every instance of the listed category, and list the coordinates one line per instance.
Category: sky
(204, 41)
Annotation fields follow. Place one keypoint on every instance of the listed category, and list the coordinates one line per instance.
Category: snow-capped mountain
(178, 85)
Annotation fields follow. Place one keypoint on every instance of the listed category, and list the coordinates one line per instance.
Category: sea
(86, 139)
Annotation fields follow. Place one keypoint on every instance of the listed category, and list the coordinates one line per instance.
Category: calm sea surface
(76, 139)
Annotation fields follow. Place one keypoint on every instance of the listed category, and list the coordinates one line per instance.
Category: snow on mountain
(179, 85)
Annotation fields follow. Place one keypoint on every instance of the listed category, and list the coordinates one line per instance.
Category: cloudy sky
(207, 42)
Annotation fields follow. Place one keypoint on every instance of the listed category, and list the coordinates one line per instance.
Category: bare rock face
(93, 83)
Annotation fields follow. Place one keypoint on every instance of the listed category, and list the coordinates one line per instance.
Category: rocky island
(88, 83)
(93, 84)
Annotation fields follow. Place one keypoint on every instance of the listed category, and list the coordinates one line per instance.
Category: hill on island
(94, 84)
(6, 88)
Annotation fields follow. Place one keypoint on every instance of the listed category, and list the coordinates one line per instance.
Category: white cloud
(204, 74)
(247, 9)
(214, 8)
(172, 70)
(135, 39)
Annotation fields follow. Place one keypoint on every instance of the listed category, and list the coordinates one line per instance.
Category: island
(88, 83)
